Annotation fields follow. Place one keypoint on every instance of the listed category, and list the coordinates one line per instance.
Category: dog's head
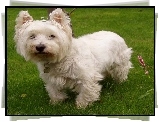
(43, 40)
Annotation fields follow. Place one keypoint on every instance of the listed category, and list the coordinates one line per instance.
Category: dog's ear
(23, 17)
(60, 17)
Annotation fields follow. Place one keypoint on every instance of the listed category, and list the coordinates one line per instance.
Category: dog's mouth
(43, 54)
(39, 53)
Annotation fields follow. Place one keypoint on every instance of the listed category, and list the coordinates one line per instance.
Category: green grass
(26, 94)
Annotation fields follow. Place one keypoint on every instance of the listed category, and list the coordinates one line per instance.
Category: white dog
(64, 61)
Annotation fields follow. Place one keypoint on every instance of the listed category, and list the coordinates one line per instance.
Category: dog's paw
(53, 102)
(58, 99)
(82, 104)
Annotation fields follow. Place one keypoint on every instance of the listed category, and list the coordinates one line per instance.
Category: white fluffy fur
(69, 62)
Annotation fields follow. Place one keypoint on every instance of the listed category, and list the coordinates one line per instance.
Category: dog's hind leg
(120, 68)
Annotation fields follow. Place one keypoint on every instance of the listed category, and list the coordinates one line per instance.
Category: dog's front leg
(54, 90)
(88, 93)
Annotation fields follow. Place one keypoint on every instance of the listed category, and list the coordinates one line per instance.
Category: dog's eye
(32, 36)
(51, 36)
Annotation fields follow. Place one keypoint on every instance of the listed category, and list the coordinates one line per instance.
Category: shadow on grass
(109, 85)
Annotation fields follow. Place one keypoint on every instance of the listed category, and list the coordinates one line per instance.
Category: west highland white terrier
(67, 62)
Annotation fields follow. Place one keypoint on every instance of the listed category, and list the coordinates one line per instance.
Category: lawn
(26, 94)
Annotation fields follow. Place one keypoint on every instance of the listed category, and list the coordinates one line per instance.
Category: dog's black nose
(40, 47)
